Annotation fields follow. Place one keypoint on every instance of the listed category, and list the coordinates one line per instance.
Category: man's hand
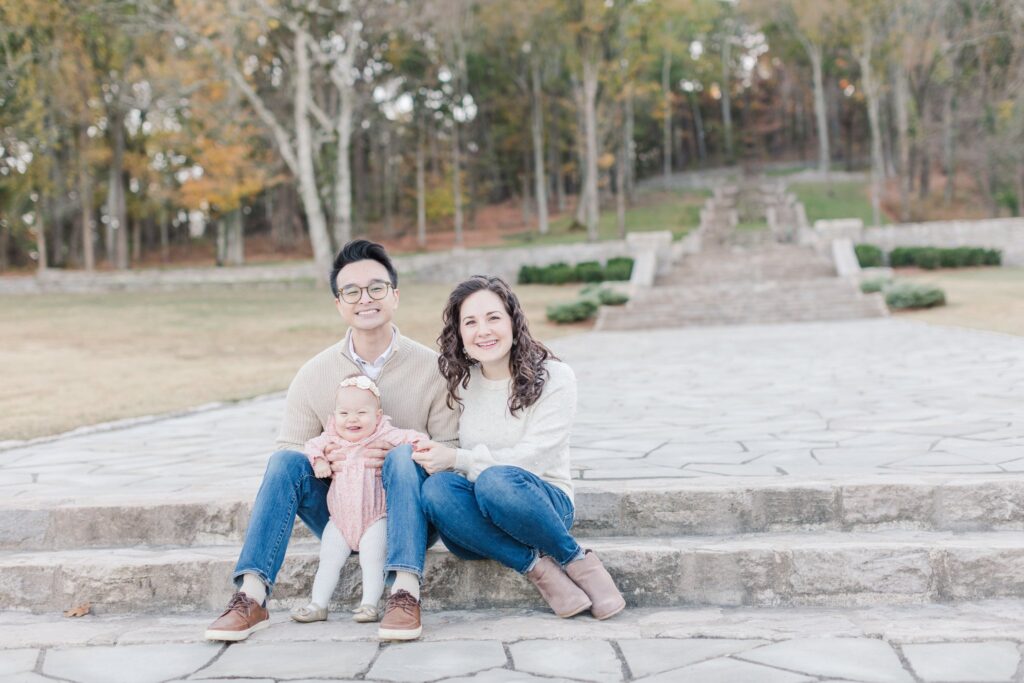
(375, 452)
(433, 457)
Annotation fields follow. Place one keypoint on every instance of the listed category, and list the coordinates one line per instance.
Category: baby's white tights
(333, 553)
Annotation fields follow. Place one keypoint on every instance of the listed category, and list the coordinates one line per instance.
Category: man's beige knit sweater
(411, 388)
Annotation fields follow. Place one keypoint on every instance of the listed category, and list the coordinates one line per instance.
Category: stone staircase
(891, 542)
(735, 285)
(745, 276)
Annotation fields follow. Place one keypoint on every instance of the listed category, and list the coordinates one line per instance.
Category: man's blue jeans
(507, 515)
(290, 488)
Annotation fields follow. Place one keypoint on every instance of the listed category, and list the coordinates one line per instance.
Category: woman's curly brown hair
(527, 356)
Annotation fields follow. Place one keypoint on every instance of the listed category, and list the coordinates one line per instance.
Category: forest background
(166, 132)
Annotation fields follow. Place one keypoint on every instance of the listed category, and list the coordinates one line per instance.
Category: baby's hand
(321, 468)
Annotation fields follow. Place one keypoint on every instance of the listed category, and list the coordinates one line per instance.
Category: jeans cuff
(239, 573)
(404, 568)
(532, 564)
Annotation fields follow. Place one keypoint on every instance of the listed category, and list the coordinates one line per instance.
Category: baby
(355, 497)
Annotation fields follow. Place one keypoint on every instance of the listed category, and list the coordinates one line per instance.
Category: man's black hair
(362, 250)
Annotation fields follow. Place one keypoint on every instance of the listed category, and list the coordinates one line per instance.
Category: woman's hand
(321, 468)
(433, 457)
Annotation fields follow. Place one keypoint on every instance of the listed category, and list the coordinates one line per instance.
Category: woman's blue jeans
(290, 488)
(508, 514)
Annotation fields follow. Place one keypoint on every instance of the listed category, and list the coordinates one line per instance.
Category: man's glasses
(351, 294)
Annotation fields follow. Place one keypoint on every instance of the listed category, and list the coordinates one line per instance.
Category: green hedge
(869, 256)
(875, 285)
(618, 268)
(904, 295)
(572, 312)
(588, 271)
(931, 258)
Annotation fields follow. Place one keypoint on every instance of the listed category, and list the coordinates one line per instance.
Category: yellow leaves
(229, 174)
(79, 610)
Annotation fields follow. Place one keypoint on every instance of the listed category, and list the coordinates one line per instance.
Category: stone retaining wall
(1005, 234)
(456, 265)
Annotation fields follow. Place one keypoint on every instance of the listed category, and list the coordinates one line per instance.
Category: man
(365, 287)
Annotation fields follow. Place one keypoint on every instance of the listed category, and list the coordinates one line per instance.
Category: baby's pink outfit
(356, 496)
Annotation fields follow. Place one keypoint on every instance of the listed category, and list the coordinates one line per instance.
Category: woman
(510, 496)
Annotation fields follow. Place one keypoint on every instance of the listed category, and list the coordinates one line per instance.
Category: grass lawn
(843, 200)
(73, 360)
(654, 210)
(982, 298)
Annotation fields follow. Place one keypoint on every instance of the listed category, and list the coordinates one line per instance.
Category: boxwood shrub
(931, 258)
(869, 256)
(572, 312)
(903, 295)
(619, 268)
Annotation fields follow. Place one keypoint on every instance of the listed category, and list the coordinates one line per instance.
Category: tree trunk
(621, 164)
(85, 190)
(630, 147)
(136, 224)
(524, 189)
(318, 235)
(457, 182)
(580, 217)
(5, 238)
(220, 251)
(730, 151)
(948, 138)
(903, 133)
(590, 68)
(421, 184)
(537, 129)
(924, 184)
(871, 94)
(234, 249)
(820, 113)
(698, 128)
(40, 231)
(343, 170)
(117, 211)
(389, 185)
(666, 125)
(165, 237)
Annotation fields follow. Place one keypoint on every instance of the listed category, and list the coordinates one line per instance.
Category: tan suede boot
(557, 589)
(590, 575)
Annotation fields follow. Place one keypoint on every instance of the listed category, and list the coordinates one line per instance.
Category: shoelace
(403, 600)
(240, 602)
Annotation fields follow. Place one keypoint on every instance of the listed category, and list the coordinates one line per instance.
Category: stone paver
(18, 661)
(129, 663)
(428, 661)
(589, 660)
(954, 642)
(656, 655)
(992, 662)
(288, 661)
(728, 671)
(860, 659)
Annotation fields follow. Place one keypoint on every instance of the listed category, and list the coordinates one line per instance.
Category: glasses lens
(377, 290)
(350, 295)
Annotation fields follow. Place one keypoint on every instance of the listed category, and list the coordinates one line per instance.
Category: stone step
(825, 568)
(636, 508)
(611, 319)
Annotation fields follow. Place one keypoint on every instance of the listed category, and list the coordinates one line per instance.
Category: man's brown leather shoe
(242, 617)
(401, 618)
(558, 590)
(590, 575)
